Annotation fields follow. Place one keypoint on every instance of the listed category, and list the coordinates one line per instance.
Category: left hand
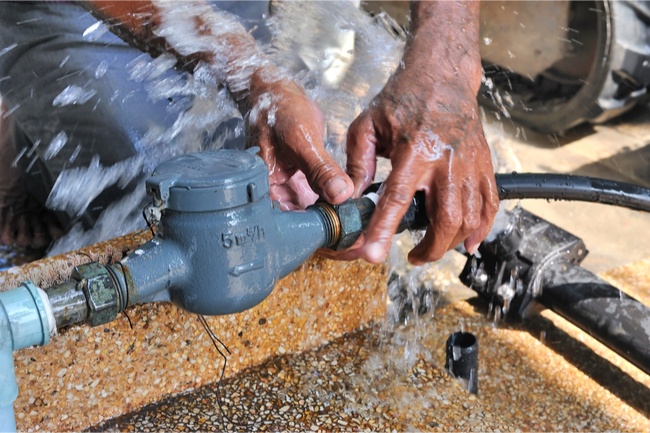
(289, 129)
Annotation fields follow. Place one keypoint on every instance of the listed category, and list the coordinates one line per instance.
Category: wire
(216, 340)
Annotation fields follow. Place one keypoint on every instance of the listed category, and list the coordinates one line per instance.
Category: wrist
(247, 86)
(444, 42)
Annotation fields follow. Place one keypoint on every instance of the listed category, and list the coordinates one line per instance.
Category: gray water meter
(221, 245)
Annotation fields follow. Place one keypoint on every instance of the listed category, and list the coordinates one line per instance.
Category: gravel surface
(545, 375)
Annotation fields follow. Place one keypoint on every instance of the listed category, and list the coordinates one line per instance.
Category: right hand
(429, 127)
(288, 128)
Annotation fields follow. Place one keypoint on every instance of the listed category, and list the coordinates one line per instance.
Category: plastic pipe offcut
(462, 358)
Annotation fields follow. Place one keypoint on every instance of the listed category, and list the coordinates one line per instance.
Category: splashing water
(56, 145)
(73, 95)
(77, 187)
(116, 215)
(95, 31)
(308, 32)
(5, 50)
(315, 26)
(101, 69)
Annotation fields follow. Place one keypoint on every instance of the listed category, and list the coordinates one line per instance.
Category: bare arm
(192, 31)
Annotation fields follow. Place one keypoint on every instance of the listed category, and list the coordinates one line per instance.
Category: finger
(336, 255)
(24, 234)
(490, 206)
(299, 188)
(324, 175)
(41, 235)
(284, 197)
(472, 202)
(445, 219)
(361, 150)
(54, 230)
(398, 191)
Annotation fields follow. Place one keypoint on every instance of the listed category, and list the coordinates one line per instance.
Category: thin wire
(214, 340)
(144, 215)
(85, 254)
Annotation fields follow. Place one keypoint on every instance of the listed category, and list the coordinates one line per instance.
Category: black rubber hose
(516, 186)
(606, 313)
(574, 188)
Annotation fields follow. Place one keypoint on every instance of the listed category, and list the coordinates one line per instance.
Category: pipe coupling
(103, 297)
(345, 222)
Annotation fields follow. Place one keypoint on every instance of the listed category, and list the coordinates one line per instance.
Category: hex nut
(351, 224)
(101, 293)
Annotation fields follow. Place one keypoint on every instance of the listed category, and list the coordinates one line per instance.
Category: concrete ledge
(86, 375)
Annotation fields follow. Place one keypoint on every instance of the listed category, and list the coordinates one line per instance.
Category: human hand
(434, 139)
(289, 129)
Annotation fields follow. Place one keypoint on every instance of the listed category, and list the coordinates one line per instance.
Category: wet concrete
(369, 381)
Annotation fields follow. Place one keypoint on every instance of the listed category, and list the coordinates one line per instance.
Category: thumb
(324, 175)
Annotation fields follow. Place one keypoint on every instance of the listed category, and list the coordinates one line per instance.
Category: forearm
(444, 41)
(194, 32)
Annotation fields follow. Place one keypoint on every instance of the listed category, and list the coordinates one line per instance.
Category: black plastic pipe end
(462, 358)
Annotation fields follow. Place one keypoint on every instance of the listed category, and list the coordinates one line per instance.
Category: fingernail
(473, 248)
(375, 252)
(336, 187)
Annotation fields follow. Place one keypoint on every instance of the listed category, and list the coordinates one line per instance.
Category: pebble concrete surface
(541, 375)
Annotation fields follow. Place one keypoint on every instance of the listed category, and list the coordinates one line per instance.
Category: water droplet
(101, 69)
(8, 48)
(64, 61)
(73, 95)
(56, 145)
(95, 31)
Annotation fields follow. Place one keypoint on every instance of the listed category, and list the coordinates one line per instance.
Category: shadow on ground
(606, 374)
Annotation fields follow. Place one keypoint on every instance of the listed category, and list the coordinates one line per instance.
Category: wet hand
(430, 129)
(289, 129)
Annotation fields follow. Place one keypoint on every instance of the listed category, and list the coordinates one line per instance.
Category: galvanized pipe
(68, 302)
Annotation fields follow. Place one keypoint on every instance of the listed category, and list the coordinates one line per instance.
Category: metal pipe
(69, 304)
(617, 320)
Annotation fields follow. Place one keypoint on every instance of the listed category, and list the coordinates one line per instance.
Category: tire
(617, 79)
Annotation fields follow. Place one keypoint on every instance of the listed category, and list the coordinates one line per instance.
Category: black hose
(549, 186)
(574, 188)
